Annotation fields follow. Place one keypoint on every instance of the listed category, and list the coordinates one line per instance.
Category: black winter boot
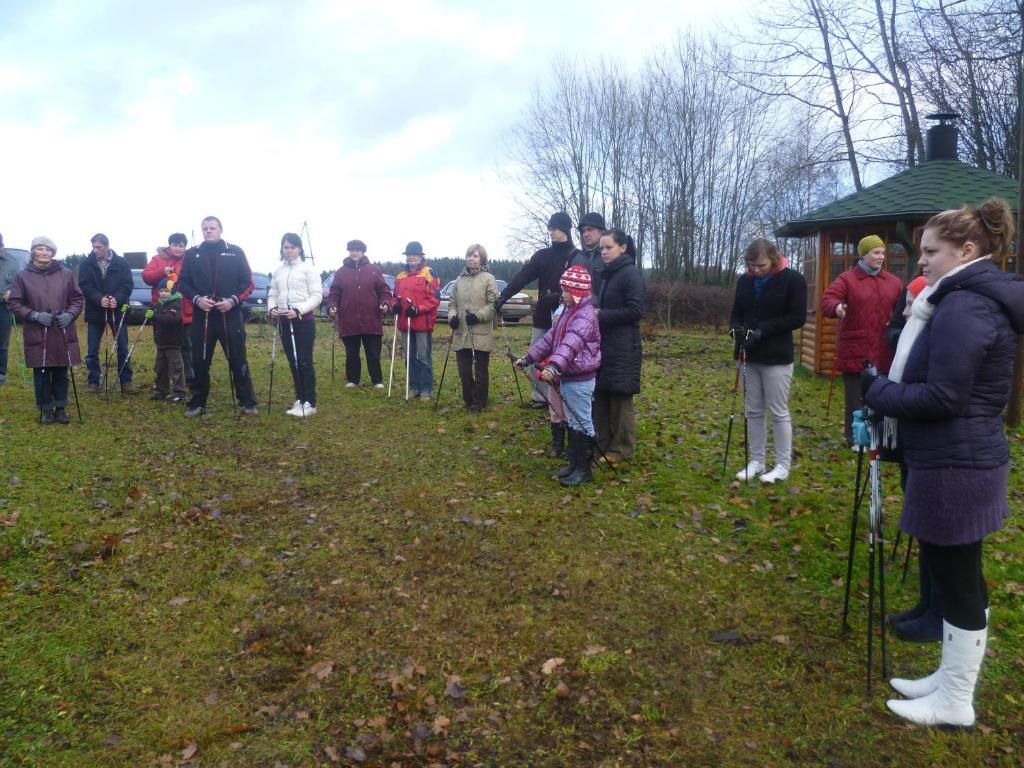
(584, 454)
(926, 628)
(46, 417)
(557, 439)
(924, 582)
(61, 416)
(572, 453)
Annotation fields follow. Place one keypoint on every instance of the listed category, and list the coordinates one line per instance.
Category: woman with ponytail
(955, 367)
(770, 303)
(620, 308)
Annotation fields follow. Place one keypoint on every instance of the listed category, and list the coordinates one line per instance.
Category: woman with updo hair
(956, 366)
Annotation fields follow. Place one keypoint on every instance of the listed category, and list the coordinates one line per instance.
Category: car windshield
(260, 280)
(137, 281)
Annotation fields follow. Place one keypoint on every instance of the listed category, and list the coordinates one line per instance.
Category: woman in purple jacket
(948, 404)
(569, 355)
(46, 299)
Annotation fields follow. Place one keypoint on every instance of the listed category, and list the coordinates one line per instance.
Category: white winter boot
(951, 704)
(915, 689)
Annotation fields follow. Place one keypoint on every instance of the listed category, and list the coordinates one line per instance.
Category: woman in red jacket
(863, 299)
(415, 308)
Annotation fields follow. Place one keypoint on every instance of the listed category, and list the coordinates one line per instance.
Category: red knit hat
(576, 280)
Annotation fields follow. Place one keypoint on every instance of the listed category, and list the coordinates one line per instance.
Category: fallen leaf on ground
(551, 665)
(322, 669)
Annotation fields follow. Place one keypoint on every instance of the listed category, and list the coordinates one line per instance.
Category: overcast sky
(379, 120)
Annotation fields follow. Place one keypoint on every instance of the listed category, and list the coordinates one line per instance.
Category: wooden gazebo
(894, 209)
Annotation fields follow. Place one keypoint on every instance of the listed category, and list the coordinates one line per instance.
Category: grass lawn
(389, 585)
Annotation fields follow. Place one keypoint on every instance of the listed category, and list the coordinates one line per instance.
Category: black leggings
(957, 570)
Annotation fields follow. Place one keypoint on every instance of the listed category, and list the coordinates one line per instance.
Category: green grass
(382, 584)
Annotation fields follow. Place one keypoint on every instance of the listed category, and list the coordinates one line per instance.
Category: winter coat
(546, 267)
(421, 288)
(154, 273)
(295, 285)
(869, 303)
(358, 290)
(53, 288)
(168, 322)
(777, 312)
(595, 266)
(9, 267)
(622, 305)
(95, 285)
(572, 346)
(217, 271)
(949, 405)
(476, 294)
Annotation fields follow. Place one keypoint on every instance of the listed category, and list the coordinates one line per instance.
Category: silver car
(512, 311)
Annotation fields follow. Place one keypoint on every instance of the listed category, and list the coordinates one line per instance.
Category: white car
(512, 311)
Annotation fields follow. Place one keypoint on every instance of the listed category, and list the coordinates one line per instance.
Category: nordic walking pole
(440, 386)
(732, 418)
(408, 351)
(512, 358)
(46, 330)
(108, 319)
(14, 332)
(115, 336)
(394, 344)
(858, 494)
(746, 434)
(295, 366)
(227, 355)
(71, 370)
(334, 339)
(138, 336)
(273, 356)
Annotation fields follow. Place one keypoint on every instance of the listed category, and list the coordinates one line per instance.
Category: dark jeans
(51, 385)
(473, 370)
(303, 375)
(5, 335)
(371, 345)
(957, 572)
(228, 330)
(186, 357)
(92, 356)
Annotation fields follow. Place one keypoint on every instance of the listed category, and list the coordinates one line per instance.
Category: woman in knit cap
(568, 356)
(862, 298)
(46, 299)
(471, 315)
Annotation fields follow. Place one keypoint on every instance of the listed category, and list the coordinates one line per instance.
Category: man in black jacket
(106, 282)
(546, 267)
(217, 278)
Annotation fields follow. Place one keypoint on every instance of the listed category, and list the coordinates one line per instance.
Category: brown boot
(129, 389)
(93, 389)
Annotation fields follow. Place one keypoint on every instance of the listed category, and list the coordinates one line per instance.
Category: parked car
(512, 311)
(140, 300)
(389, 279)
(20, 255)
(254, 308)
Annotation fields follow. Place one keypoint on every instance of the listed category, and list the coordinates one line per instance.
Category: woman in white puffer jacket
(294, 295)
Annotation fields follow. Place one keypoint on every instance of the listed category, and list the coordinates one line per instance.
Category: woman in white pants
(771, 303)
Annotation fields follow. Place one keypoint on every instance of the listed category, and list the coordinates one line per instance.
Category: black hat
(592, 219)
(356, 245)
(413, 249)
(562, 221)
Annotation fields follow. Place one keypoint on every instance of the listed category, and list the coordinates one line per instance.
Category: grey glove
(43, 318)
(64, 319)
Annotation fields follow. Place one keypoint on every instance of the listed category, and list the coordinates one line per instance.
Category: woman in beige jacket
(472, 316)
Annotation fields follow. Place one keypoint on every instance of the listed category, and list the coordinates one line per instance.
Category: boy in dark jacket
(168, 336)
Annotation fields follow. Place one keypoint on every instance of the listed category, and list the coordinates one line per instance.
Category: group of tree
(723, 137)
(448, 268)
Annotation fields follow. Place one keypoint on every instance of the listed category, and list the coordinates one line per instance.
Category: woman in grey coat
(471, 315)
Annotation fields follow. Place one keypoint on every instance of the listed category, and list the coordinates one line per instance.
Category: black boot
(572, 453)
(924, 595)
(584, 454)
(557, 439)
(61, 416)
(46, 417)
(926, 628)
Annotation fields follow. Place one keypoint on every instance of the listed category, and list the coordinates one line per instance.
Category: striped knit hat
(576, 280)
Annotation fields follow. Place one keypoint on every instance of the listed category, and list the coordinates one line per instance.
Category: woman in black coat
(771, 303)
(620, 307)
(955, 370)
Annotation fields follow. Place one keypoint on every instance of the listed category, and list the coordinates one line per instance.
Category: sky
(384, 121)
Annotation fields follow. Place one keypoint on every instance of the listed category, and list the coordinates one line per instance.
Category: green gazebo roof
(916, 193)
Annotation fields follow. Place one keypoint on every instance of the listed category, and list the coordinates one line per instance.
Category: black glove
(471, 319)
(64, 319)
(412, 311)
(738, 332)
(397, 308)
(867, 378)
(42, 317)
(498, 303)
(753, 338)
(453, 322)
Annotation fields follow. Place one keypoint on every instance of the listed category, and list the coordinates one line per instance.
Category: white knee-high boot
(915, 689)
(951, 704)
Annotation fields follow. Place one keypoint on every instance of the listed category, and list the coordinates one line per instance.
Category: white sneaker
(307, 410)
(777, 475)
(351, 385)
(378, 386)
(753, 469)
(294, 409)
